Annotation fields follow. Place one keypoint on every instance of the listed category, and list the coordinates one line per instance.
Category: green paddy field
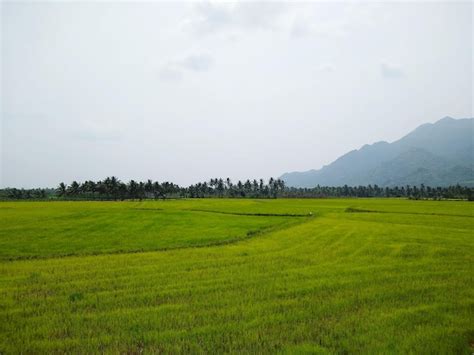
(237, 276)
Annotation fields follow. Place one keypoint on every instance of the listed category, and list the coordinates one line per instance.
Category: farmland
(237, 275)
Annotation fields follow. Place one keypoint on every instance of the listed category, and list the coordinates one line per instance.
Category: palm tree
(220, 187)
(240, 188)
(156, 189)
(141, 190)
(114, 184)
(228, 188)
(248, 187)
(73, 189)
(133, 189)
(281, 185)
(271, 185)
(261, 188)
(62, 189)
(149, 188)
(255, 187)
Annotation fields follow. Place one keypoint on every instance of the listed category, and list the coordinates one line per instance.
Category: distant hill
(435, 154)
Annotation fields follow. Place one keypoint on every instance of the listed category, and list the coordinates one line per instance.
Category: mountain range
(434, 154)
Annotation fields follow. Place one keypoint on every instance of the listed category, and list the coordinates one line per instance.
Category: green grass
(398, 279)
(50, 229)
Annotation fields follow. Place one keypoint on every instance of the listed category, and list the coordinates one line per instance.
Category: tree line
(112, 188)
(408, 191)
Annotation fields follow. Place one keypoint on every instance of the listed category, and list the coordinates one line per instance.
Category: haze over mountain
(437, 154)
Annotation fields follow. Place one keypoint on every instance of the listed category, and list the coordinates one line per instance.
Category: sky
(189, 91)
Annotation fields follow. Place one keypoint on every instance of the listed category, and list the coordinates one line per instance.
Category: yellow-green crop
(227, 276)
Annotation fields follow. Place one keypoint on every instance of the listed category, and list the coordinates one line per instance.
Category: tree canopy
(111, 188)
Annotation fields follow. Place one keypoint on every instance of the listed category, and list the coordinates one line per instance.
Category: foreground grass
(396, 280)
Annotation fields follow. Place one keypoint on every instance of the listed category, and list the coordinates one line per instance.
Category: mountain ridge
(436, 154)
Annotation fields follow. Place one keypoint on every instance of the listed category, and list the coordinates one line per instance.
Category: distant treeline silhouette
(112, 188)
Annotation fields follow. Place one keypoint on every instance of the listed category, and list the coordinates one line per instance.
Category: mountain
(435, 154)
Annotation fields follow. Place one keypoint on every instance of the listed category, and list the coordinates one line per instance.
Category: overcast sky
(186, 92)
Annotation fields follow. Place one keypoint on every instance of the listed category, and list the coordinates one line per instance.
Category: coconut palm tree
(61, 189)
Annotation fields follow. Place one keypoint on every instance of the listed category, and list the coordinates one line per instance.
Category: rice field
(250, 276)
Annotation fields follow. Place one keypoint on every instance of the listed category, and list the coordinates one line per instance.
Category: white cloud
(200, 62)
(296, 20)
(326, 68)
(174, 70)
(214, 17)
(169, 73)
(300, 29)
(390, 70)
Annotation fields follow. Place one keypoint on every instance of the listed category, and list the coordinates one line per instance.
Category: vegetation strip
(360, 210)
(253, 214)
(111, 188)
